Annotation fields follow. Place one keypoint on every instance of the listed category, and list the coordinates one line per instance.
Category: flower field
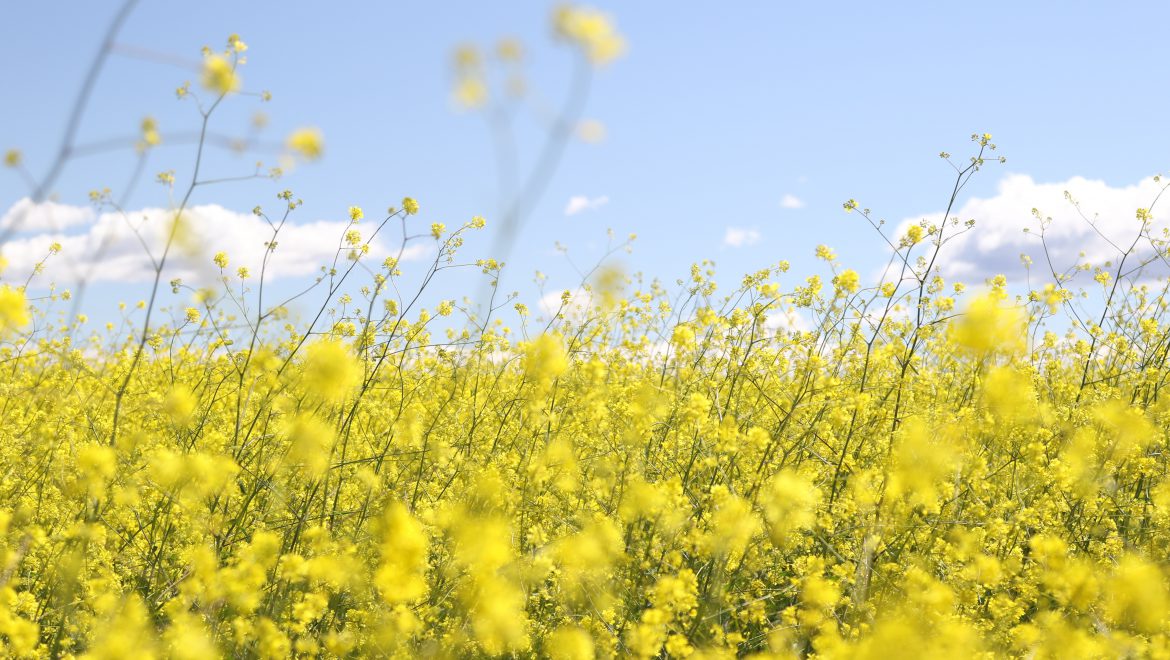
(806, 465)
(656, 472)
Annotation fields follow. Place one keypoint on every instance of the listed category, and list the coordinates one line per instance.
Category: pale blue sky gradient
(714, 115)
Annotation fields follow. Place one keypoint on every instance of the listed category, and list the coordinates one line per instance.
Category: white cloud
(737, 237)
(24, 216)
(791, 201)
(786, 320)
(112, 246)
(995, 244)
(580, 301)
(579, 203)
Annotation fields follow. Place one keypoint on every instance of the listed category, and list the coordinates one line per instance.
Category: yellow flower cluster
(307, 143)
(591, 32)
(219, 75)
(589, 29)
(777, 471)
(584, 493)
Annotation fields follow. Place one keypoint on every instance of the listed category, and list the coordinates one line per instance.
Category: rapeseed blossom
(848, 281)
(308, 143)
(904, 469)
(589, 29)
(401, 578)
(219, 75)
(14, 313)
(989, 325)
(641, 478)
(330, 370)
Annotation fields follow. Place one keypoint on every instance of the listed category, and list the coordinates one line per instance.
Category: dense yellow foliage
(895, 469)
(653, 474)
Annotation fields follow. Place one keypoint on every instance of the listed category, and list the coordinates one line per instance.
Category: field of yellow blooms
(654, 473)
(911, 468)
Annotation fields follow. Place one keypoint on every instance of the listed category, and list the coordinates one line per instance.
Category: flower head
(219, 75)
(306, 142)
(13, 309)
(590, 30)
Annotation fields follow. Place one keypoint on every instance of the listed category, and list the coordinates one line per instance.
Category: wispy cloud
(25, 216)
(739, 237)
(998, 239)
(786, 319)
(791, 201)
(112, 247)
(579, 302)
(579, 203)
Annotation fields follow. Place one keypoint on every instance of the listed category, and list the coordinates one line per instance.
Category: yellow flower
(306, 142)
(219, 75)
(179, 404)
(236, 44)
(848, 281)
(591, 130)
(733, 525)
(510, 50)
(310, 441)
(466, 56)
(409, 205)
(401, 578)
(13, 309)
(330, 371)
(790, 501)
(590, 30)
(546, 357)
(1137, 596)
(471, 92)
(569, 643)
(921, 460)
(987, 325)
(150, 134)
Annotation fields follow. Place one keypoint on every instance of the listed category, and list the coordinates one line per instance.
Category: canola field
(650, 474)
(912, 468)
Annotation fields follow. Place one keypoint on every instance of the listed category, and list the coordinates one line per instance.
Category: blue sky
(713, 116)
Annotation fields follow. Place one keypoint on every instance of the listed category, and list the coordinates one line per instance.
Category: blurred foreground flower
(13, 309)
(307, 142)
(591, 30)
(219, 75)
